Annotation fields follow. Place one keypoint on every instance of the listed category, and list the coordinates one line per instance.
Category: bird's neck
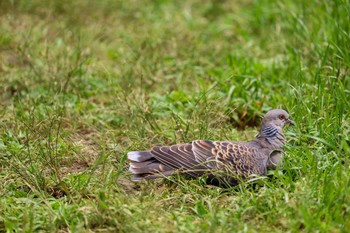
(270, 137)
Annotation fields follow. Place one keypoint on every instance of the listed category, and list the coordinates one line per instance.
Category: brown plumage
(219, 160)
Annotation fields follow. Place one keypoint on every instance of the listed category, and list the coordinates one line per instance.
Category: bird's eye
(281, 117)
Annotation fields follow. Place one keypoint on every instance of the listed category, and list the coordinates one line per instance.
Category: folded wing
(203, 155)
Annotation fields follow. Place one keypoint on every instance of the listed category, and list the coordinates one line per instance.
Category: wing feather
(178, 157)
(235, 157)
(192, 159)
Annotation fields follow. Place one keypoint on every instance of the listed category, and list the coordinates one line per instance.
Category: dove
(229, 162)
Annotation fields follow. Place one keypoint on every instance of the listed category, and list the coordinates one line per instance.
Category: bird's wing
(241, 159)
(179, 157)
(203, 155)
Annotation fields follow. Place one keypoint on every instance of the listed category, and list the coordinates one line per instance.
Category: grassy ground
(84, 82)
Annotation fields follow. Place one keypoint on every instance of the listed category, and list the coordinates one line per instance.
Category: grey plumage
(230, 161)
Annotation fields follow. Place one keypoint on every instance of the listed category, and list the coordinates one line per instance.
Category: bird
(222, 162)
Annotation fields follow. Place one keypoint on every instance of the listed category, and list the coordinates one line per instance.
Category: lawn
(84, 82)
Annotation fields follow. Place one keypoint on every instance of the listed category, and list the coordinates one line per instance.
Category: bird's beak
(291, 122)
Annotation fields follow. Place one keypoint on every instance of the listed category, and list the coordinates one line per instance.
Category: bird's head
(277, 118)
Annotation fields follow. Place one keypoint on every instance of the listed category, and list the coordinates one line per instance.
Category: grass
(84, 82)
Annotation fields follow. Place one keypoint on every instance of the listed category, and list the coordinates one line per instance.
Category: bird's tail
(144, 166)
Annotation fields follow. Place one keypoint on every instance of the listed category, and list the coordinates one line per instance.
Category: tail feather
(141, 164)
(144, 166)
(151, 167)
(139, 156)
